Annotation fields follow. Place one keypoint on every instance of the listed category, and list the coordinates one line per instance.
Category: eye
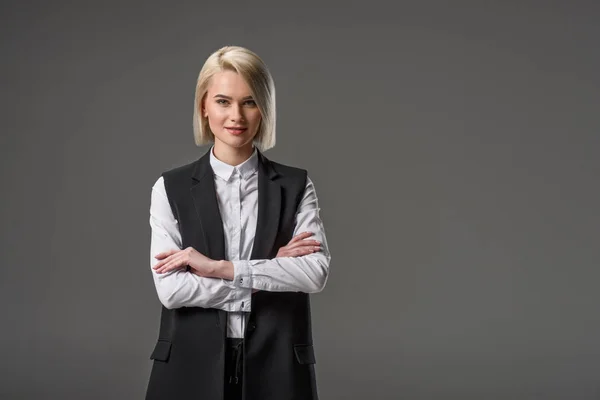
(251, 102)
(221, 101)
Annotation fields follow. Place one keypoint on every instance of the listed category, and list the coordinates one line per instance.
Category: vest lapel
(205, 200)
(204, 194)
(269, 209)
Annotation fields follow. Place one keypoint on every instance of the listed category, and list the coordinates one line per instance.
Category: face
(232, 113)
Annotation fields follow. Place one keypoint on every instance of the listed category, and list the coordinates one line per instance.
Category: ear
(202, 108)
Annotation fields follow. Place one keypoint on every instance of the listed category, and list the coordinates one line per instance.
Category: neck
(232, 155)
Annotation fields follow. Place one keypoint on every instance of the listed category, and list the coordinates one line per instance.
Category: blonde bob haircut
(254, 71)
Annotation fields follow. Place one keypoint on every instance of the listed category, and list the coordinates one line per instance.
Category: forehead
(229, 83)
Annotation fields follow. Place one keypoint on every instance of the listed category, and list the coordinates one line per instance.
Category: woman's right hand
(299, 246)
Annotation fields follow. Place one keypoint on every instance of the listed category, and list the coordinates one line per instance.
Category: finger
(162, 263)
(312, 249)
(167, 268)
(300, 236)
(171, 265)
(161, 255)
(166, 257)
(302, 243)
(300, 251)
(165, 254)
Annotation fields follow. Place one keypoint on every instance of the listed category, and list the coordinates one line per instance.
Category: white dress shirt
(237, 195)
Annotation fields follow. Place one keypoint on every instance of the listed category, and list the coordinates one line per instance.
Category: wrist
(223, 269)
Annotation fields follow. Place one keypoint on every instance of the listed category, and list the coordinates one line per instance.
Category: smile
(235, 131)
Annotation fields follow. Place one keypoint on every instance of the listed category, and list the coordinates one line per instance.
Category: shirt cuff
(243, 301)
(242, 275)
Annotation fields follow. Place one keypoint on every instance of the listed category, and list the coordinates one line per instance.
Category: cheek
(215, 114)
(256, 117)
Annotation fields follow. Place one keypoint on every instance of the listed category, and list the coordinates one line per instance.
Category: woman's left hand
(175, 259)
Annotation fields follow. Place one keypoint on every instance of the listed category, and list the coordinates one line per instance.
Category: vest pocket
(305, 353)
(161, 350)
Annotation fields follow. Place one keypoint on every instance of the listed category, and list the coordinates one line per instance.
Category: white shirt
(237, 195)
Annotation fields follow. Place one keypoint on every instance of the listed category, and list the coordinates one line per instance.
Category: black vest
(278, 353)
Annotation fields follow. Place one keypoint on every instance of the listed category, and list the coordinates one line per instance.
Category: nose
(236, 113)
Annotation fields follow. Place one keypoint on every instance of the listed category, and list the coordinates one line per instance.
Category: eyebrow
(230, 98)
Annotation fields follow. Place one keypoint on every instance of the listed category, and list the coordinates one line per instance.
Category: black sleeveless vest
(279, 357)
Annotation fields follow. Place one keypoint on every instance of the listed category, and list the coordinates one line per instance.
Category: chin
(236, 141)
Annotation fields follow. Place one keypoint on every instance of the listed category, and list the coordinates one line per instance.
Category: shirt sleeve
(291, 274)
(180, 288)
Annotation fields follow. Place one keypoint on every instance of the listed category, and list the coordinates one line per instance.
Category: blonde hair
(254, 71)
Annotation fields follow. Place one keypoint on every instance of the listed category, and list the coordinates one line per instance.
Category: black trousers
(233, 368)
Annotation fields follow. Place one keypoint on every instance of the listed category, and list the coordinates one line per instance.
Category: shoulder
(289, 171)
(292, 174)
(180, 176)
(176, 180)
(182, 170)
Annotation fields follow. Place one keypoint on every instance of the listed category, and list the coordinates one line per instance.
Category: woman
(237, 247)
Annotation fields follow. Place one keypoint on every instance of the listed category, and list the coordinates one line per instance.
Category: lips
(235, 130)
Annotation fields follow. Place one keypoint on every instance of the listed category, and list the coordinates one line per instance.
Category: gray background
(453, 145)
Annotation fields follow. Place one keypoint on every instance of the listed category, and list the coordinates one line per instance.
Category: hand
(175, 259)
(299, 246)
(193, 271)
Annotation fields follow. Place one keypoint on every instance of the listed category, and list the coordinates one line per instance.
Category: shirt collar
(224, 170)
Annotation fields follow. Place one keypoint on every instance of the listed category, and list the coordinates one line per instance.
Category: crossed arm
(299, 266)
